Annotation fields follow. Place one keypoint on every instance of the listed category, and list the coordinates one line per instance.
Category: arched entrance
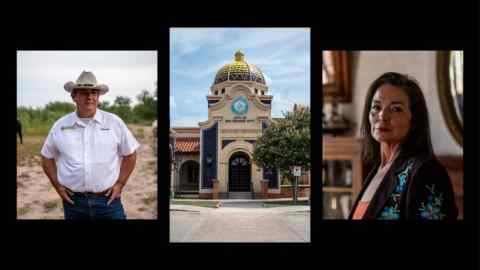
(239, 172)
(189, 176)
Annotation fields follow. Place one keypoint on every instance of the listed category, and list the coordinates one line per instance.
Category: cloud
(87, 59)
(186, 121)
(268, 80)
(42, 74)
(185, 41)
(282, 102)
(196, 73)
(282, 54)
(188, 101)
(257, 38)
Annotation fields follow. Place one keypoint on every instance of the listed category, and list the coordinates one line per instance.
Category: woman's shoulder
(424, 163)
(421, 169)
(430, 163)
(427, 169)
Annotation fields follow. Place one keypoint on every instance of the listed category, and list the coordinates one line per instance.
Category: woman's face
(390, 116)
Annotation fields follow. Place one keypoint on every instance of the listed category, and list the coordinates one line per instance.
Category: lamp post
(209, 160)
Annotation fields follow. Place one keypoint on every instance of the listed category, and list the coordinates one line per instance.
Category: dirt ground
(37, 199)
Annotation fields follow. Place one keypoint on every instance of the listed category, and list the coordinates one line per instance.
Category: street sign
(297, 171)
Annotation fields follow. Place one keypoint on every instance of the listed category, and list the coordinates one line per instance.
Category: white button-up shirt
(89, 157)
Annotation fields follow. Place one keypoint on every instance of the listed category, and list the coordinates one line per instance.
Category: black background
(372, 244)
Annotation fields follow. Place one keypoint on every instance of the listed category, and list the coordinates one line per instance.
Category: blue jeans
(93, 207)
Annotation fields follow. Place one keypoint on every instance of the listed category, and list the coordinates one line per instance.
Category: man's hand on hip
(114, 192)
(64, 193)
(128, 163)
(50, 169)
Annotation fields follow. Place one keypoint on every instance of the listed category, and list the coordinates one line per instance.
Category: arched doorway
(239, 172)
(189, 176)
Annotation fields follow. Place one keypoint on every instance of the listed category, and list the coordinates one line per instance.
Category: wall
(369, 65)
(287, 192)
(180, 159)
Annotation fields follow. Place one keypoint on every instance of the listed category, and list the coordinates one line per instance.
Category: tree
(60, 106)
(122, 101)
(143, 96)
(146, 109)
(285, 143)
(104, 105)
(121, 107)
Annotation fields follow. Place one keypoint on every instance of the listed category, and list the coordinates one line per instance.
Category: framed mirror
(450, 91)
(336, 76)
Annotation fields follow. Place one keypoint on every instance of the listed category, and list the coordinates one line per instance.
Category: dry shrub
(151, 198)
(50, 205)
(23, 210)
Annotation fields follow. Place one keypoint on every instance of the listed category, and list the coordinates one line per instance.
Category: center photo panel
(240, 135)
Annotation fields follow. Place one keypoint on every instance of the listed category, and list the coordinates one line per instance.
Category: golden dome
(239, 70)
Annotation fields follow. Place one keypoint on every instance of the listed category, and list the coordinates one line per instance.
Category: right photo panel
(392, 135)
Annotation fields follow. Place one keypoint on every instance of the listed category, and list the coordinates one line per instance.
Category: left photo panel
(86, 135)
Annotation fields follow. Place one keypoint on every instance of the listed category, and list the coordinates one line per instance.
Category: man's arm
(126, 168)
(50, 169)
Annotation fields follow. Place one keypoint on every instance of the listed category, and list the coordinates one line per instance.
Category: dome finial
(239, 56)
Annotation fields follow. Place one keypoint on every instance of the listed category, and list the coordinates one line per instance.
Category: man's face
(86, 99)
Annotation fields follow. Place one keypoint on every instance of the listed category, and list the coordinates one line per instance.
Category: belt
(91, 193)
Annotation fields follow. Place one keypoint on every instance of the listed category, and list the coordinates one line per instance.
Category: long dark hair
(418, 140)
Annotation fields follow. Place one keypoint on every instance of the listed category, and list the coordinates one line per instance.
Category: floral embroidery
(391, 211)
(431, 209)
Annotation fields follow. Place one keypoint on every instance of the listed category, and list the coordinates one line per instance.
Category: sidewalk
(239, 200)
(245, 205)
(190, 208)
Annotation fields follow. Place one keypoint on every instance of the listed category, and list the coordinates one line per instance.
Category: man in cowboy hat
(89, 155)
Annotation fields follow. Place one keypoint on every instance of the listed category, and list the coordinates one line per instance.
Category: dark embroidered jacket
(413, 188)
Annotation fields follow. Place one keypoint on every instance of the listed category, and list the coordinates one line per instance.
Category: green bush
(40, 120)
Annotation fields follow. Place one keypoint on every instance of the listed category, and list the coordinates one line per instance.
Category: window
(263, 93)
(256, 91)
(223, 91)
(216, 92)
(239, 161)
(335, 76)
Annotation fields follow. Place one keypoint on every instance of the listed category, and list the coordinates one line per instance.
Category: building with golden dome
(214, 160)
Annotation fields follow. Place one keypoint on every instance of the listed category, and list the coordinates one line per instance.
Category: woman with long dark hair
(407, 181)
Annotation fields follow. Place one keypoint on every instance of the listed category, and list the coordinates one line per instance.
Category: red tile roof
(186, 129)
(187, 145)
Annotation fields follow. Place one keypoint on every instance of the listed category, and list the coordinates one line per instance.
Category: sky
(41, 75)
(196, 54)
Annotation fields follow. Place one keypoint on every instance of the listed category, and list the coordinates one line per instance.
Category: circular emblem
(240, 106)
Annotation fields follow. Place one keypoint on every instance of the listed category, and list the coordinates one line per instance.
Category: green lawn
(211, 204)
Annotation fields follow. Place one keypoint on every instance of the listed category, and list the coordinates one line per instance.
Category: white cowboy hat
(86, 80)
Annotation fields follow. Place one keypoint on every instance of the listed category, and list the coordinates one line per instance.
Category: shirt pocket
(106, 146)
(71, 145)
